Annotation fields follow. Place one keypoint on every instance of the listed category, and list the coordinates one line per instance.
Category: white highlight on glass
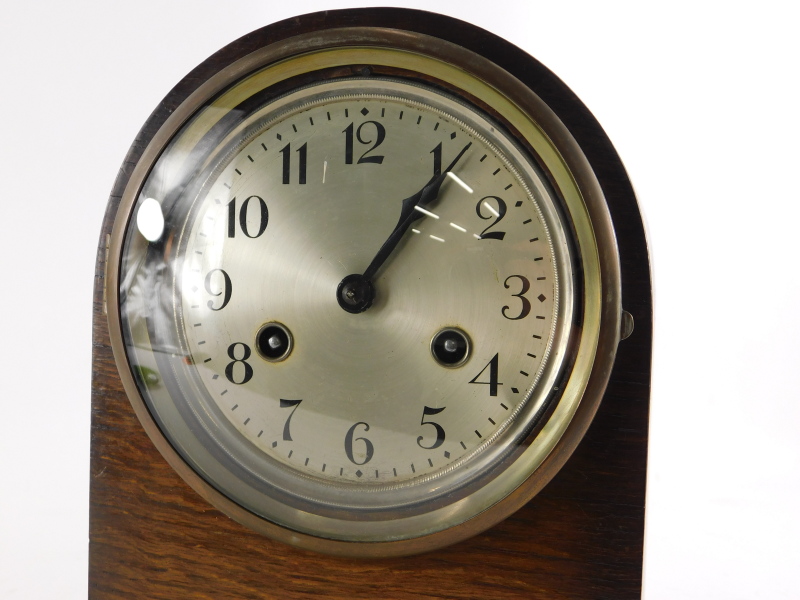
(426, 212)
(459, 227)
(415, 230)
(324, 170)
(491, 209)
(438, 239)
(458, 180)
(150, 220)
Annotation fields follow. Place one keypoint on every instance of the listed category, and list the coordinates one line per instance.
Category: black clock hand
(408, 215)
(356, 292)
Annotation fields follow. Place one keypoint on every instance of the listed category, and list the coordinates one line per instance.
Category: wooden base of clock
(151, 536)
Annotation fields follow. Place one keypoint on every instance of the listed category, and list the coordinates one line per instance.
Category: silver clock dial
(308, 198)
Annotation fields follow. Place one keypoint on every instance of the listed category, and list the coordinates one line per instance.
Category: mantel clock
(366, 277)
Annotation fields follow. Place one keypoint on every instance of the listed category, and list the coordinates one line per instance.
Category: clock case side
(606, 473)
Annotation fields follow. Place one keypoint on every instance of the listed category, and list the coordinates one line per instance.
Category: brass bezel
(567, 164)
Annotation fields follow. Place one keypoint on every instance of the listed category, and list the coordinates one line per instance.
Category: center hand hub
(355, 293)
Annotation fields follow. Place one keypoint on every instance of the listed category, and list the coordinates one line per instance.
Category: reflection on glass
(150, 220)
(459, 181)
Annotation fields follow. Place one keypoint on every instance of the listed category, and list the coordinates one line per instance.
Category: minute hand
(408, 215)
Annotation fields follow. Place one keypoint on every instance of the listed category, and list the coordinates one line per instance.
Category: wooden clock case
(151, 536)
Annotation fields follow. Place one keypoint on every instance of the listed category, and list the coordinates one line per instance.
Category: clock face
(349, 304)
(307, 195)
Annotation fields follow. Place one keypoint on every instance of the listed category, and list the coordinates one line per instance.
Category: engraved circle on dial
(304, 193)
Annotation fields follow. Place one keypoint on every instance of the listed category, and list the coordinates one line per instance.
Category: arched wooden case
(152, 536)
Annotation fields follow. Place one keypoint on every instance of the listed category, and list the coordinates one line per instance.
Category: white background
(701, 100)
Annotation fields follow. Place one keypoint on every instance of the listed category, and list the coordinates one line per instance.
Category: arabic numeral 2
(426, 412)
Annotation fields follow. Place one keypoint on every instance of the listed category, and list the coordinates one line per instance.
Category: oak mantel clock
(372, 313)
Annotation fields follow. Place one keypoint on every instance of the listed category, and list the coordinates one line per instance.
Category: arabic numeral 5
(428, 411)
(497, 213)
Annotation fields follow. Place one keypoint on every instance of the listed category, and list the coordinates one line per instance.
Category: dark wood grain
(153, 537)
